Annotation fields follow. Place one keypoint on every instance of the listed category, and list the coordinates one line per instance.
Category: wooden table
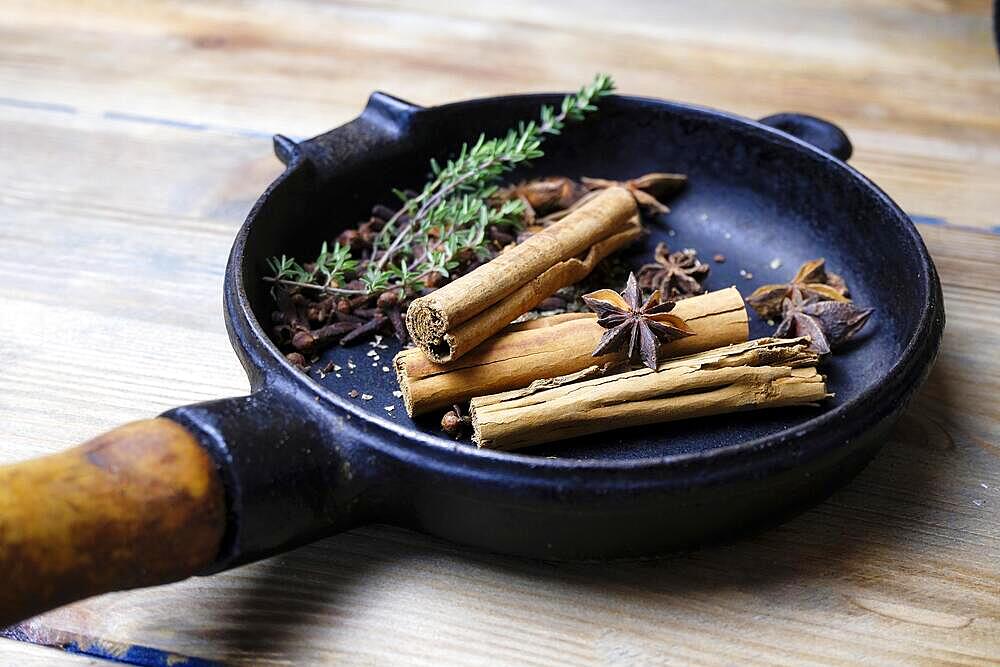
(135, 137)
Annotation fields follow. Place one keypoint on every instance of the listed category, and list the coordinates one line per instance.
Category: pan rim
(261, 357)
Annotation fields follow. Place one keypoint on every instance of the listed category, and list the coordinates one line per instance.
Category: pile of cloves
(304, 326)
(307, 321)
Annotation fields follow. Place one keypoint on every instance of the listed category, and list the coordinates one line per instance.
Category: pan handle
(137, 506)
(822, 134)
(384, 119)
(200, 489)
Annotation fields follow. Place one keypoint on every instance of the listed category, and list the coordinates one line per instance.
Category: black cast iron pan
(299, 459)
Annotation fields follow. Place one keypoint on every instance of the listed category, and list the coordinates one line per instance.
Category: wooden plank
(897, 567)
(914, 83)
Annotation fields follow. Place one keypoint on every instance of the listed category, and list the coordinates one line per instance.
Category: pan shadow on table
(879, 537)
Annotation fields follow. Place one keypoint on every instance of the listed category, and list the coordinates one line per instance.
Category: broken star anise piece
(812, 279)
(635, 327)
(675, 274)
(829, 324)
(649, 190)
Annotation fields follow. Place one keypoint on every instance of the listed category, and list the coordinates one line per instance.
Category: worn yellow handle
(137, 506)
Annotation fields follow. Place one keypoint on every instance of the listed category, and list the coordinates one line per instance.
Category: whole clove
(313, 340)
(455, 424)
(387, 300)
(383, 212)
(371, 326)
(352, 239)
(500, 238)
(297, 360)
(552, 303)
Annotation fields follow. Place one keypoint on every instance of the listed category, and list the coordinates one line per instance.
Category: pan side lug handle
(284, 148)
(822, 134)
(384, 120)
(389, 112)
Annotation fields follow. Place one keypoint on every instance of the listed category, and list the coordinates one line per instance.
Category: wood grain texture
(139, 140)
(137, 506)
(914, 82)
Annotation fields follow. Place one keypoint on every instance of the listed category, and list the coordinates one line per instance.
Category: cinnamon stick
(763, 373)
(452, 320)
(554, 346)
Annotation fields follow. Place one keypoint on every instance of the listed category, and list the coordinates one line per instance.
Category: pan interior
(762, 201)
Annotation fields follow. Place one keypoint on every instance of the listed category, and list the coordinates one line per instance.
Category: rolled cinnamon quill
(763, 373)
(553, 346)
(452, 320)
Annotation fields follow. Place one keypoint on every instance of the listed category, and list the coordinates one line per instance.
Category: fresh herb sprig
(448, 217)
(328, 268)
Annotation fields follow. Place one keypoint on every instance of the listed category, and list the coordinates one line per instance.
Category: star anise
(649, 190)
(675, 274)
(812, 279)
(829, 324)
(634, 326)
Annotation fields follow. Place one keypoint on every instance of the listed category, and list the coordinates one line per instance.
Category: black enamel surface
(755, 196)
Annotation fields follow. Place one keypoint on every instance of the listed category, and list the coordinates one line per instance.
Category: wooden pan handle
(137, 506)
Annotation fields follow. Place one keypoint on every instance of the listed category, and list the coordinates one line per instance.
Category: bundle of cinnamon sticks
(553, 346)
(537, 381)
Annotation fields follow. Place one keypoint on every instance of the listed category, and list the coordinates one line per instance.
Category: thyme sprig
(326, 271)
(448, 217)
